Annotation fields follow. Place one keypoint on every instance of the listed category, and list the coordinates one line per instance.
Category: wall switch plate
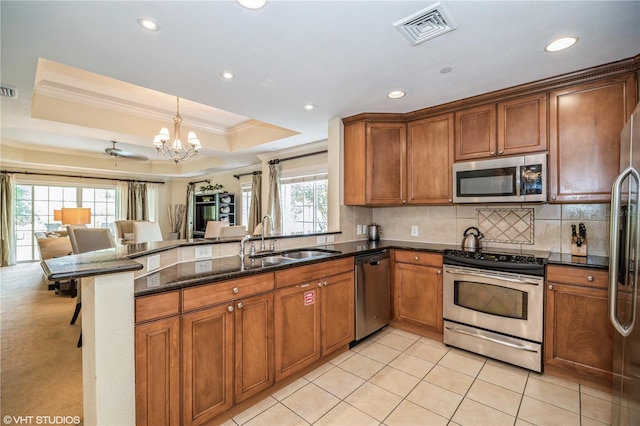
(153, 263)
(414, 231)
(358, 229)
(330, 239)
(322, 240)
(153, 280)
(203, 252)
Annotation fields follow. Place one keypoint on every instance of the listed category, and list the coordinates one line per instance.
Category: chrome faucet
(264, 230)
(244, 240)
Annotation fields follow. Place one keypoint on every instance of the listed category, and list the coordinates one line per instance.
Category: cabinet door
(475, 135)
(522, 125)
(158, 372)
(338, 324)
(207, 363)
(418, 295)
(254, 370)
(578, 335)
(584, 134)
(385, 153)
(297, 328)
(430, 159)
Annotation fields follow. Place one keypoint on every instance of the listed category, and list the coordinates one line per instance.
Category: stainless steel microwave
(501, 180)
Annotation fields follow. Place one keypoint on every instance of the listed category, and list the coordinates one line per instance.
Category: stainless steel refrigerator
(623, 278)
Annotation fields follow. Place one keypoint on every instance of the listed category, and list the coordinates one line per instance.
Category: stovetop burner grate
(521, 263)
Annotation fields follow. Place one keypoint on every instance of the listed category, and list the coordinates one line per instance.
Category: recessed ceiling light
(148, 24)
(561, 43)
(395, 94)
(252, 4)
(227, 75)
(309, 106)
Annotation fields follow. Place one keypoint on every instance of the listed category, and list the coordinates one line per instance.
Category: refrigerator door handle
(614, 250)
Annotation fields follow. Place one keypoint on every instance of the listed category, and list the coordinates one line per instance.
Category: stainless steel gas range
(493, 304)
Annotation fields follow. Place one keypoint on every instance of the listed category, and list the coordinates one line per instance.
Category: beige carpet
(41, 367)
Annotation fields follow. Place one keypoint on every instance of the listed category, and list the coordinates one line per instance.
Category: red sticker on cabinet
(309, 298)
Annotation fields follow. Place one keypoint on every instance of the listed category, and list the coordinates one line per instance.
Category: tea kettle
(471, 241)
(374, 231)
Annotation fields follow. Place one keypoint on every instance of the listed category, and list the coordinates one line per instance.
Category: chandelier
(176, 150)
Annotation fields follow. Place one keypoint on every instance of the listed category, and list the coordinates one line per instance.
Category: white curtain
(7, 191)
(191, 189)
(122, 196)
(152, 202)
(255, 211)
(273, 207)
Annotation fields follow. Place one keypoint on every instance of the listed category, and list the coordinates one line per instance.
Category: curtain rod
(79, 176)
(198, 181)
(276, 161)
(257, 172)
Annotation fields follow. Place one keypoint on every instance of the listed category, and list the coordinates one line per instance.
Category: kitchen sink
(307, 253)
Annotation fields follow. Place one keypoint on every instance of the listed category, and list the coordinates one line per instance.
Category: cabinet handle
(553, 197)
(416, 258)
(236, 290)
(230, 308)
(404, 201)
(325, 283)
(439, 271)
(450, 200)
(550, 287)
(320, 284)
(500, 152)
(239, 305)
(493, 153)
(590, 278)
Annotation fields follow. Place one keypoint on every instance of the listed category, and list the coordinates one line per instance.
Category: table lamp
(75, 215)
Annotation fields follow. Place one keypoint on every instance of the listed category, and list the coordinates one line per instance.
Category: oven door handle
(491, 339)
(493, 277)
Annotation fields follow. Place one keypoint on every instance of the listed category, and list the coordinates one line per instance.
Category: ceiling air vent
(426, 24)
(8, 91)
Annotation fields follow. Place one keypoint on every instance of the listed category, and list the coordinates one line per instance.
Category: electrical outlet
(414, 231)
(322, 240)
(203, 252)
(330, 239)
(358, 229)
(153, 280)
(204, 266)
(153, 263)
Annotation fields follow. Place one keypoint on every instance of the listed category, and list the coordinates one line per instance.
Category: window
(304, 204)
(34, 206)
(246, 204)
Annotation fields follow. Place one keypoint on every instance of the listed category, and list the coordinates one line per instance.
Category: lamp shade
(76, 216)
(57, 215)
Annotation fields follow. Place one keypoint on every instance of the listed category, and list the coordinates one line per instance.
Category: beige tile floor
(399, 378)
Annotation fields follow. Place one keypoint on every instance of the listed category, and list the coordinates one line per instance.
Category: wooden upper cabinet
(429, 159)
(475, 134)
(512, 127)
(375, 163)
(584, 135)
(522, 125)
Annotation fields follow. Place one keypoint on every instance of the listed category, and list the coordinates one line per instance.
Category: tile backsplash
(550, 224)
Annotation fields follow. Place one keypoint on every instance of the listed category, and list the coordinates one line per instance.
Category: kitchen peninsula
(136, 293)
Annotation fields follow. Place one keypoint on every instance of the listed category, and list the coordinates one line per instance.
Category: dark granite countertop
(121, 259)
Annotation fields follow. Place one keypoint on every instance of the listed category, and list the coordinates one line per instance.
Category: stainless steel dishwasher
(373, 293)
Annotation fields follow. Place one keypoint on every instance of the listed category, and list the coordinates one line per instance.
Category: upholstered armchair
(124, 231)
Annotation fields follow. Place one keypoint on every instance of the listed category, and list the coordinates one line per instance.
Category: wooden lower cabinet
(158, 372)
(207, 363)
(578, 335)
(254, 345)
(417, 291)
(313, 319)
(241, 330)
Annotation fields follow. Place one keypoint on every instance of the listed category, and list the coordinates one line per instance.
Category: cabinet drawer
(212, 294)
(578, 276)
(157, 306)
(419, 258)
(313, 272)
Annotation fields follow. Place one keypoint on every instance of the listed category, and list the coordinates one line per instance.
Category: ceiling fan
(117, 152)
